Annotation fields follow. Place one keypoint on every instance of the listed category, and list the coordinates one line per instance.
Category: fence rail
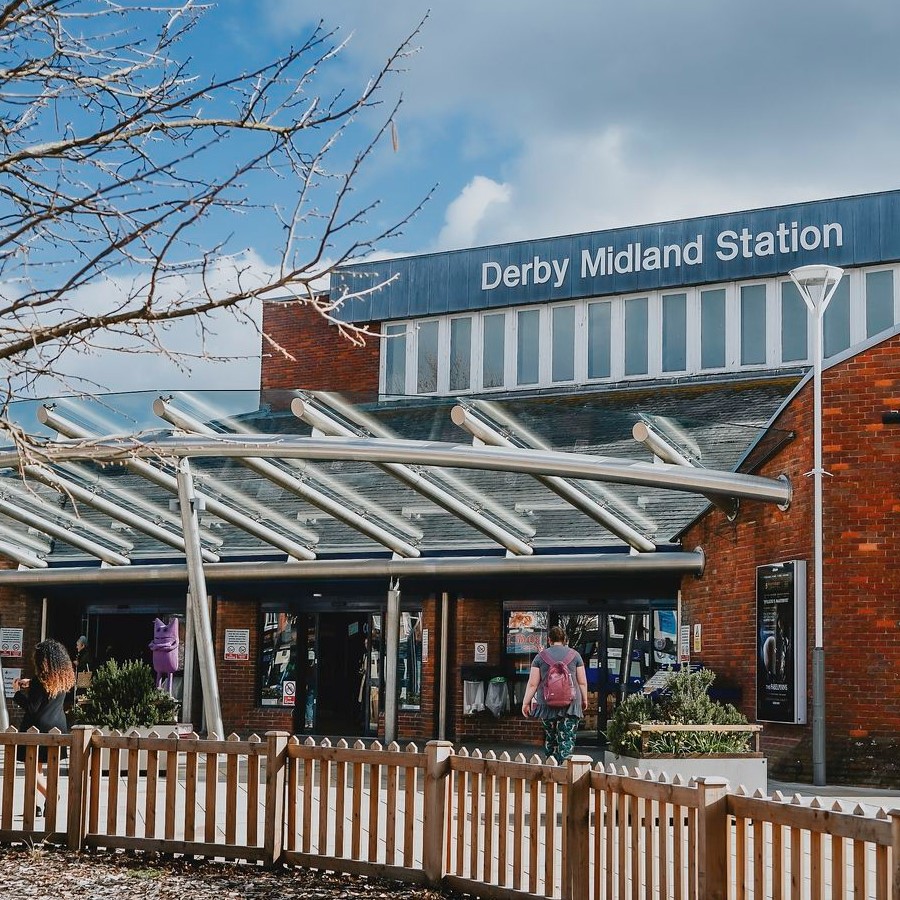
(494, 827)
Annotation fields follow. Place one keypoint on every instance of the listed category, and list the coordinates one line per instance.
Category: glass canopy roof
(85, 513)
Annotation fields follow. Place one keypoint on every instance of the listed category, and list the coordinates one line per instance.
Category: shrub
(125, 696)
(684, 700)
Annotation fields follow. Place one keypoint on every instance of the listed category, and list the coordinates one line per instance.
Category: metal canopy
(421, 497)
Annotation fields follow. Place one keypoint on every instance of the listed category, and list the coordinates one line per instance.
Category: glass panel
(278, 659)
(493, 351)
(879, 302)
(395, 359)
(460, 354)
(598, 340)
(836, 327)
(528, 336)
(793, 324)
(426, 379)
(409, 660)
(636, 336)
(753, 324)
(563, 343)
(712, 329)
(674, 332)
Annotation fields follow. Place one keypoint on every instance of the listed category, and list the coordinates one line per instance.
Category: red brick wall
(861, 568)
(323, 359)
(238, 679)
(482, 620)
(17, 610)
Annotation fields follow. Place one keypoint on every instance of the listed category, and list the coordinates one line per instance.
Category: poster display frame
(781, 651)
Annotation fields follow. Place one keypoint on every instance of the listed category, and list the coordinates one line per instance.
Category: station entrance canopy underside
(307, 485)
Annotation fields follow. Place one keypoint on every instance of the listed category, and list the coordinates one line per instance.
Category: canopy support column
(391, 648)
(203, 635)
(190, 649)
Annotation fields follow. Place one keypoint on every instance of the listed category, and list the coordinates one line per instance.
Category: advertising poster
(781, 642)
(526, 632)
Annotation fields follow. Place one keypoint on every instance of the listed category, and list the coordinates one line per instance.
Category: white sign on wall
(481, 651)
(424, 644)
(10, 641)
(237, 643)
(9, 676)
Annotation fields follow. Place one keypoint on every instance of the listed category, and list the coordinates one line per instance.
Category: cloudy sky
(535, 119)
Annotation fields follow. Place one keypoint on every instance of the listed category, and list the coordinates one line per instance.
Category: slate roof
(712, 421)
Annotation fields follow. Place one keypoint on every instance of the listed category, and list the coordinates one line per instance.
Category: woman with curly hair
(42, 698)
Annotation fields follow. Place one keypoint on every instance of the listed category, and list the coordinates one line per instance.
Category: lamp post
(817, 285)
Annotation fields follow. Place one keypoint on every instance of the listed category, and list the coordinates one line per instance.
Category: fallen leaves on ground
(41, 873)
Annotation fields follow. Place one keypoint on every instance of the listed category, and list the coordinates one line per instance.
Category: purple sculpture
(165, 651)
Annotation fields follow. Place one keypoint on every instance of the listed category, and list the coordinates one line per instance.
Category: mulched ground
(40, 873)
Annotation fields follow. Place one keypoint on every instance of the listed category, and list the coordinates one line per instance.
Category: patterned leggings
(559, 737)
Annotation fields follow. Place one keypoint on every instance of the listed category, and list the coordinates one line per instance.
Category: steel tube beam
(169, 482)
(662, 562)
(315, 476)
(21, 555)
(203, 635)
(391, 646)
(190, 663)
(61, 533)
(663, 450)
(424, 453)
(113, 510)
(10, 488)
(52, 419)
(416, 481)
(297, 487)
(478, 428)
(368, 426)
(30, 541)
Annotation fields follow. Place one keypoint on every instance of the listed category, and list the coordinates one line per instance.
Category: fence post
(437, 770)
(712, 839)
(77, 797)
(276, 757)
(895, 854)
(578, 860)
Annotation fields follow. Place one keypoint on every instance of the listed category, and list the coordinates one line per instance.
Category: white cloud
(481, 199)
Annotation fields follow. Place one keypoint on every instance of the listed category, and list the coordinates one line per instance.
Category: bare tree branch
(128, 182)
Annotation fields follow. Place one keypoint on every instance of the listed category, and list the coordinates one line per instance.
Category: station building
(610, 431)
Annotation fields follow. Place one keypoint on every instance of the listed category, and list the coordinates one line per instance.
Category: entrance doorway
(339, 686)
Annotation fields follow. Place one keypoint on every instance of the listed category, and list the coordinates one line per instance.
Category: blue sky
(535, 119)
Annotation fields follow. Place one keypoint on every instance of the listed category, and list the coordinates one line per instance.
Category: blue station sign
(759, 243)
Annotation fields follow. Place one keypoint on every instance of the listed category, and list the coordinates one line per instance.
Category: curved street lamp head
(823, 280)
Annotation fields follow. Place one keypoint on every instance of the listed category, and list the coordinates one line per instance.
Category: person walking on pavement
(42, 699)
(560, 722)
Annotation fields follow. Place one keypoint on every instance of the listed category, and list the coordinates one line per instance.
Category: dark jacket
(41, 710)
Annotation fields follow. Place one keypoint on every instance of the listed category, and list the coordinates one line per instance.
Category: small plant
(684, 700)
(125, 696)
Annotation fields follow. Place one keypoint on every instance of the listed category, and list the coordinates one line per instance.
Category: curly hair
(53, 667)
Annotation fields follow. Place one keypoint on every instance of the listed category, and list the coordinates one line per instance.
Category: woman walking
(560, 722)
(42, 699)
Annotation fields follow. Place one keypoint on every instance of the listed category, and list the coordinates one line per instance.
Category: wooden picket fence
(481, 824)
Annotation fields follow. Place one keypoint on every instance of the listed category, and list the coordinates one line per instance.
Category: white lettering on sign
(539, 271)
(787, 237)
(784, 239)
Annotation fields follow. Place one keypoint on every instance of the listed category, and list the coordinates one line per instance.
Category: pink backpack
(558, 687)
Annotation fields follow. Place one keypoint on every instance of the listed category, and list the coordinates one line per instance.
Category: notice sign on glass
(526, 631)
(781, 642)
